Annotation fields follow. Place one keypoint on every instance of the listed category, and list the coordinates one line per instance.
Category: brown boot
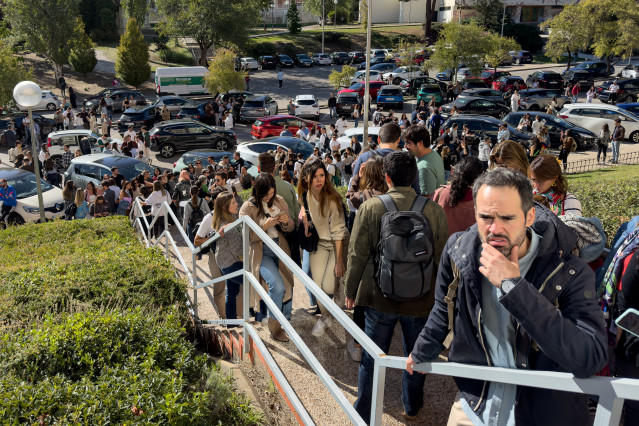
(276, 330)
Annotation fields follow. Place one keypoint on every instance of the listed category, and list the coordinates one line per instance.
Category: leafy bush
(528, 36)
(176, 56)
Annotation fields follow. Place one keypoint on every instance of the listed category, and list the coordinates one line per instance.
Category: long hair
(466, 171)
(79, 197)
(67, 192)
(262, 185)
(546, 167)
(372, 177)
(157, 186)
(328, 192)
(221, 211)
(512, 154)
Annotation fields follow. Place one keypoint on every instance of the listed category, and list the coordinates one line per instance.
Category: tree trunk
(569, 59)
(204, 47)
(430, 11)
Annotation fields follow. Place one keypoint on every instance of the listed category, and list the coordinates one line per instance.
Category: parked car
(546, 80)
(235, 95)
(376, 61)
(46, 124)
(138, 117)
(267, 62)
(428, 92)
(340, 58)
(93, 167)
(273, 125)
(490, 94)
(302, 60)
(169, 137)
(491, 75)
(488, 126)
(284, 61)
(593, 116)
(594, 68)
(374, 87)
(390, 96)
(464, 73)
(583, 78)
(192, 112)
(630, 71)
(28, 208)
(57, 140)
(249, 151)
(95, 99)
(539, 99)
(173, 103)
(49, 101)
(258, 106)
(345, 103)
(521, 56)
(321, 59)
(474, 83)
(117, 97)
(402, 73)
(361, 75)
(411, 86)
(506, 83)
(478, 106)
(357, 57)
(585, 138)
(345, 139)
(307, 106)
(628, 90)
(384, 67)
(632, 107)
(201, 154)
(248, 63)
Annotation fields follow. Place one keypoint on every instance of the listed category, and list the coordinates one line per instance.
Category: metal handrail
(611, 391)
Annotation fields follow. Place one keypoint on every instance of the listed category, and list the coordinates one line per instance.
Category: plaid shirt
(67, 156)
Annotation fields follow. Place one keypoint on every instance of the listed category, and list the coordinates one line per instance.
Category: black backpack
(404, 259)
(196, 216)
(69, 212)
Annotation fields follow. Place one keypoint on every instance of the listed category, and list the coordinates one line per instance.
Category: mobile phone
(629, 321)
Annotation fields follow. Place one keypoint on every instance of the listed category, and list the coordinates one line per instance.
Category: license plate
(129, 124)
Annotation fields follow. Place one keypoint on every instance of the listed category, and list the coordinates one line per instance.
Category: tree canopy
(132, 63)
(293, 19)
(12, 72)
(498, 49)
(135, 9)
(82, 57)
(342, 78)
(567, 34)
(489, 14)
(222, 76)
(461, 43)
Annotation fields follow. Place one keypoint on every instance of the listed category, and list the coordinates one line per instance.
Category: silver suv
(57, 140)
(258, 106)
(93, 167)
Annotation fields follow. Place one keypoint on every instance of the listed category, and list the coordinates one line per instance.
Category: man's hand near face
(497, 267)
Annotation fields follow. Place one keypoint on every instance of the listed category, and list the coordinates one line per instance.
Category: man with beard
(523, 300)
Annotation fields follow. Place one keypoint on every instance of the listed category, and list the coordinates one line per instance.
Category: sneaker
(354, 350)
(320, 326)
(408, 417)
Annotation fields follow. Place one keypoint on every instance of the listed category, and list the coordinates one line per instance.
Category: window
(531, 13)
(590, 112)
(196, 129)
(64, 140)
(610, 115)
(91, 171)
(263, 147)
(177, 130)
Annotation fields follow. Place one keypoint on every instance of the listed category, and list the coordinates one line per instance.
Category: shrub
(528, 36)
(176, 56)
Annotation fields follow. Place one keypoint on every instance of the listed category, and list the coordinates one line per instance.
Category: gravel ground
(330, 350)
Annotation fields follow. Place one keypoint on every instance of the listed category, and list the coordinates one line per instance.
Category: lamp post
(29, 94)
(335, 16)
(503, 20)
(367, 76)
(272, 15)
(323, 15)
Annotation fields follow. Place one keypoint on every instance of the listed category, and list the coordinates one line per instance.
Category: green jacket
(287, 191)
(360, 278)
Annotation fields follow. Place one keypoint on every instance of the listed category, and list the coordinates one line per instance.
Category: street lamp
(323, 15)
(272, 14)
(29, 94)
(367, 76)
(335, 16)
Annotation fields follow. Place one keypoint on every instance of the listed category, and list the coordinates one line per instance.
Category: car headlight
(31, 210)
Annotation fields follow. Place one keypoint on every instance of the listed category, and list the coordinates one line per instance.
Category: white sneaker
(320, 326)
(354, 350)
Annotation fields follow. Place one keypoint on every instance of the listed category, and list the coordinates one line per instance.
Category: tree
(135, 9)
(489, 13)
(12, 72)
(132, 63)
(211, 22)
(293, 19)
(461, 43)
(498, 48)
(567, 33)
(46, 26)
(428, 21)
(222, 76)
(99, 17)
(343, 78)
(82, 57)
(363, 13)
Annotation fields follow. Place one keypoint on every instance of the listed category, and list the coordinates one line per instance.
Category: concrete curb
(242, 383)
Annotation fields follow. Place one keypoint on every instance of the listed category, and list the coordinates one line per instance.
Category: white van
(180, 81)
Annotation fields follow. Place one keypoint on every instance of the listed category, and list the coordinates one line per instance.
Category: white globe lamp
(27, 94)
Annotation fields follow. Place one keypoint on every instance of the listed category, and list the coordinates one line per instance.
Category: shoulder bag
(307, 242)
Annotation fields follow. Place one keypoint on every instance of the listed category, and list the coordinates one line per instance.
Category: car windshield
(253, 104)
(25, 185)
(304, 147)
(129, 168)
(551, 77)
(559, 121)
(302, 56)
(285, 57)
(461, 101)
(356, 86)
(305, 101)
(132, 116)
(390, 92)
(347, 99)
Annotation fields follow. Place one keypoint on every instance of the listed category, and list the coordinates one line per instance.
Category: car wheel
(534, 107)
(401, 106)
(51, 107)
(518, 61)
(277, 109)
(634, 136)
(167, 151)
(221, 144)
(605, 102)
(502, 114)
(317, 117)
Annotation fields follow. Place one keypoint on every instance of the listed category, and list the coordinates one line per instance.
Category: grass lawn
(611, 173)
(540, 57)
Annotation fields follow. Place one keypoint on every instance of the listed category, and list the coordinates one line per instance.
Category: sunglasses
(498, 164)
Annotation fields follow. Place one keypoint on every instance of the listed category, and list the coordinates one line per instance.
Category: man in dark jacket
(523, 301)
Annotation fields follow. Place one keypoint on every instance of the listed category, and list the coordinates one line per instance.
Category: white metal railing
(611, 391)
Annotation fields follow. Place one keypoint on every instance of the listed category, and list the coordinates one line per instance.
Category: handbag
(307, 242)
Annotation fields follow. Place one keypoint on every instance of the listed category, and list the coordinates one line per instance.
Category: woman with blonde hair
(82, 210)
(511, 155)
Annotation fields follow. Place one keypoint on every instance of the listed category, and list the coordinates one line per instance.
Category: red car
(491, 75)
(359, 88)
(273, 125)
(507, 82)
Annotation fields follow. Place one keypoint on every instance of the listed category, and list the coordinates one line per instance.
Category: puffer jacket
(559, 325)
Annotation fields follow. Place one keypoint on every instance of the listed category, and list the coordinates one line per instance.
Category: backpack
(69, 212)
(404, 260)
(196, 216)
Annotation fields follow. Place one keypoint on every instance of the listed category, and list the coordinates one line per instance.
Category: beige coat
(255, 250)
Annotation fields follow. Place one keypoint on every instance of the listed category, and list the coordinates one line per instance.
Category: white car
(361, 75)
(630, 71)
(307, 106)
(49, 101)
(321, 59)
(345, 139)
(248, 63)
(57, 140)
(593, 117)
(403, 73)
(28, 209)
(249, 151)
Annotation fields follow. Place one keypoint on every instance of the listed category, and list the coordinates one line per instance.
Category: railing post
(166, 229)
(608, 411)
(377, 399)
(246, 290)
(194, 283)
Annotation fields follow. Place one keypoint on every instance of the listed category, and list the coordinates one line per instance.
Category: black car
(356, 57)
(45, 124)
(169, 137)
(474, 83)
(628, 90)
(477, 105)
(546, 80)
(193, 112)
(412, 85)
(488, 126)
(302, 60)
(138, 117)
(376, 60)
(521, 56)
(284, 61)
(117, 96)
(346, 103)
(583, 78)
(266, 62)
(584, 137)
(340, 58)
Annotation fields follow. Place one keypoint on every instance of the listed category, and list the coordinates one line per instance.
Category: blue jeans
(615, 150)
(333, 112)
(269, 270)
(232, 289)
(380, 327)
(306, 267)
(356, 121)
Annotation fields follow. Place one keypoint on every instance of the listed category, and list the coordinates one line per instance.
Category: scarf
(611, 281)
(555, 199)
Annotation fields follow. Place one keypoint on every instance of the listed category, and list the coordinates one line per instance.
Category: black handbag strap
(307, 212)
